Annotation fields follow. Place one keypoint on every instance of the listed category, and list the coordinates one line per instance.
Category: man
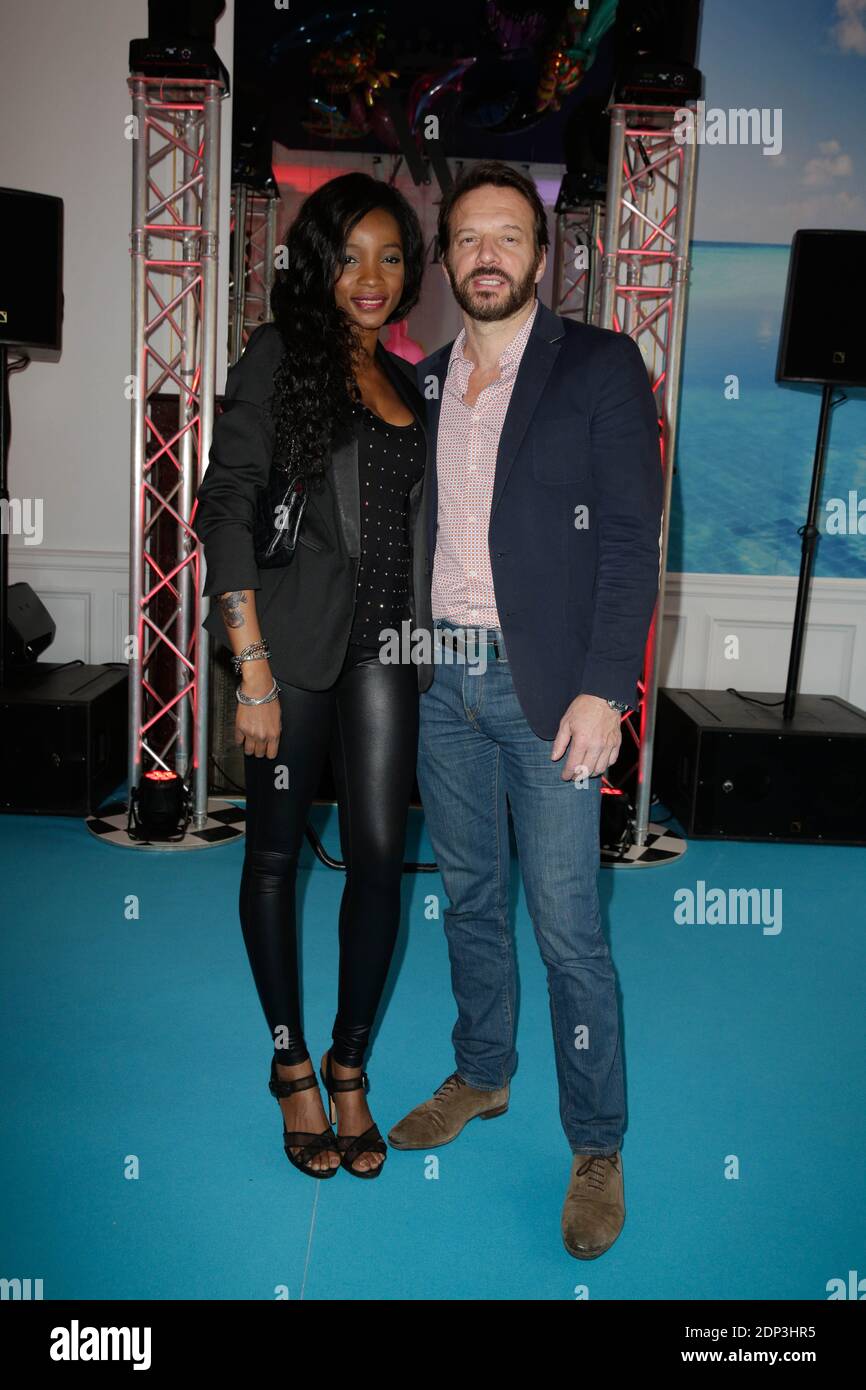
(548, 496)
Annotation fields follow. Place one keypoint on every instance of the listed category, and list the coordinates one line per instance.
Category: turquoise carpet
(135, 1042)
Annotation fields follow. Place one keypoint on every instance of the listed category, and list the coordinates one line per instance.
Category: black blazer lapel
(438, 368)
(435, 366)
(535, 367)
(343, 471)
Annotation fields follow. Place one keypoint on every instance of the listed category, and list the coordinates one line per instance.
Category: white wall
(63, 100)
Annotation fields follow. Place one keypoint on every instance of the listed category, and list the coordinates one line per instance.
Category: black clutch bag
(279, 513)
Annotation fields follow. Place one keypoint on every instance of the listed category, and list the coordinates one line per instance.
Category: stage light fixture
(159, 807)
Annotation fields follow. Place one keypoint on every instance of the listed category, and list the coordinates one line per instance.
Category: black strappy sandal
(352, 1146)
(309, 1144)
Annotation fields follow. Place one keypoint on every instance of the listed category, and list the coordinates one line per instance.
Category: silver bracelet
(253, 652)
(272, 694)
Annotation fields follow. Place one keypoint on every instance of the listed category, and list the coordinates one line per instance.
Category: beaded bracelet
(253, 652)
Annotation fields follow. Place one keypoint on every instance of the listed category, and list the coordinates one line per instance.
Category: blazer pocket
(311, 545)
(560, 448)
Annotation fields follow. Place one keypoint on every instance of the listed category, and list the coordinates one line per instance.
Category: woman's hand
(258, 727)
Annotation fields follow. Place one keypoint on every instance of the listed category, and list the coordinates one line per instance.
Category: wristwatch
(619, 706)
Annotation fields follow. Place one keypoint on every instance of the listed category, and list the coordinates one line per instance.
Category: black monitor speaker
(822, 337)
(652, 29)
(31, 270)
(184, 19)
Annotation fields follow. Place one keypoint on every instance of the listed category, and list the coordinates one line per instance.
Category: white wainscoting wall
(86, 592)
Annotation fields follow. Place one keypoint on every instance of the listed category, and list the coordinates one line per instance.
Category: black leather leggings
(368, 722)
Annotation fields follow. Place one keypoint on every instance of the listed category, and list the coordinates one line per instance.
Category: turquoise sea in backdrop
(744, 466)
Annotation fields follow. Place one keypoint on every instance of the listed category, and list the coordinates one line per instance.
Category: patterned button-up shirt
(466, 449)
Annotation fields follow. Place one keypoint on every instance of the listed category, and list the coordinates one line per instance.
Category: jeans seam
(503, 906)
(563, 1061)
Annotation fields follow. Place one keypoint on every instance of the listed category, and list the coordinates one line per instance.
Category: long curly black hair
(314, 383)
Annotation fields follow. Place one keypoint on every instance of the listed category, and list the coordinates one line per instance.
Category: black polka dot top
(390, 462)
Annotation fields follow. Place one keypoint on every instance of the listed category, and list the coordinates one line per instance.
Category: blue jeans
(475, 747)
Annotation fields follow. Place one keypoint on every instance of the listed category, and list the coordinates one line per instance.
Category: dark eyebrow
(385, 247)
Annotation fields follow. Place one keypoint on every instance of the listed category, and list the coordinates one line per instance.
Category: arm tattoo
(231, 608)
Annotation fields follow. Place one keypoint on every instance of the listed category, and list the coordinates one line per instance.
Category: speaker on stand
(31, 320)
(65, 722)
(744, 765)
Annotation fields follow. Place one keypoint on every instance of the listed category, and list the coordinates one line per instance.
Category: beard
(489, 310)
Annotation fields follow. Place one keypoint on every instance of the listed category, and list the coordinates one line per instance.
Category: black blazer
(575, 590)
(304, 609)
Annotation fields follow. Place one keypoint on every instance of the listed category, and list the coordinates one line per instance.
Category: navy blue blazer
(575, 518)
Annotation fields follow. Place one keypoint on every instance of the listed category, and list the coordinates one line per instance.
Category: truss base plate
(662, 846)
(224, 825)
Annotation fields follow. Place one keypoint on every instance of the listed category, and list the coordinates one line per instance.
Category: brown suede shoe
(440, 1119)
(594, 1210)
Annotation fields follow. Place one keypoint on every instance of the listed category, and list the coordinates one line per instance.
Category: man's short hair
(492, 171)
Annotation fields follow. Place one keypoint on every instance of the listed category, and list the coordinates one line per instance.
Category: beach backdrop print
(744, 466)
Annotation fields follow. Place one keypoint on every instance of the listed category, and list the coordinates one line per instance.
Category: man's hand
(593, 730)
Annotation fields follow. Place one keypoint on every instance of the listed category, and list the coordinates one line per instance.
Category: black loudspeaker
(31, 270)
(822, 337)
(180, 42)
(656, 44)
(65, 744)
(183, 19)
(31, 628)
(665, 29)
(253, 152)
(586, 141)
(729, 769)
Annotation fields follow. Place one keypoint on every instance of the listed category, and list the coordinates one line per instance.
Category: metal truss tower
(577, 262)
(645, 271)
(174, 252)
(623, 264)
(254, 221)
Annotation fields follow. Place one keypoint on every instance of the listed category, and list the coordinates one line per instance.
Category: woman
(317, 388)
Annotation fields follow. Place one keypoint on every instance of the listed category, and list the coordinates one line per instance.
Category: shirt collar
(510, 354)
